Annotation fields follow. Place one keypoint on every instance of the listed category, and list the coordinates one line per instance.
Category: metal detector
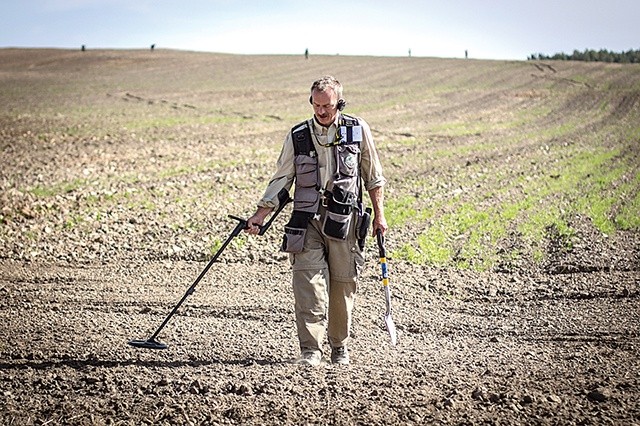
(388, 320)
(151, 342)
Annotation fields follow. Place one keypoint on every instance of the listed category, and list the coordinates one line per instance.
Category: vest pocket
(306, 200)
(338, 217)
(294, 232)
(306, 197)
(293, 239)
(306, 171)
(336, 225)
(348, 159)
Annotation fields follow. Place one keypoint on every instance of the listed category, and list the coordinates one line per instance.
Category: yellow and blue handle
(383, 258)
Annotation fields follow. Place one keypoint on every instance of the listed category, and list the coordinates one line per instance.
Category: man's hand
(379, 222)
(255, 222)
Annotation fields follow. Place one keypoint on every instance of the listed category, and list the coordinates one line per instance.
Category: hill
(498, 163)
(513, 201)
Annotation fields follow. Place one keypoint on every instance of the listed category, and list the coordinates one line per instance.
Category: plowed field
(513, 200)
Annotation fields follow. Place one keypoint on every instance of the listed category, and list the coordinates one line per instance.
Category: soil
(119, 169)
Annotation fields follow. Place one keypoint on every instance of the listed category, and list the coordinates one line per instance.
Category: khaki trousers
(325, 274)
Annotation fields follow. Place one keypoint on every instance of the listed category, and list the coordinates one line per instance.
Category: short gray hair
(327, 82)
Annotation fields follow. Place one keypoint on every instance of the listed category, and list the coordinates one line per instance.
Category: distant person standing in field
(331, 158)
(306, 53)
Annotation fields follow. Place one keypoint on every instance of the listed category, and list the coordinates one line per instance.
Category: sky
(486, 29)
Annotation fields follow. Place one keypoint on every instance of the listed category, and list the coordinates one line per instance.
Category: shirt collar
(319, 128)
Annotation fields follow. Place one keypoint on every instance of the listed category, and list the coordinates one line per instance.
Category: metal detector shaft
(239, 227)
(283, 198)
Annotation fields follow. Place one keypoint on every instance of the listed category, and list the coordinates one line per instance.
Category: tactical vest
(343, 194)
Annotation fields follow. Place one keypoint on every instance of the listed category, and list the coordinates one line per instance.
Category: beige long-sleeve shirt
(370, 166)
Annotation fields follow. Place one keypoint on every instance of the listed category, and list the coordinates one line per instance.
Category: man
(331, 157)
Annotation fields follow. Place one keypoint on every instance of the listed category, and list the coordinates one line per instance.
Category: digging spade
(152, 342)
(388, 320)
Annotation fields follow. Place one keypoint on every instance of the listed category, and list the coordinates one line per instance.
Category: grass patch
(456, 151)
(467, 233)
(464, 237)
(629, 216)
(400, 211)
(461, 128)
(430, 248)
(41, 191)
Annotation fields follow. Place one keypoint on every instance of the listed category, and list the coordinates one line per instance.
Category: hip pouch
(337, 220)
(294, 232)
(364, 221)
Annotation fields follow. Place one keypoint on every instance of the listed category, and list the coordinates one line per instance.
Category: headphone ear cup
(311, 100)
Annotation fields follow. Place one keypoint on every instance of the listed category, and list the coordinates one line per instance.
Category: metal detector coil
(148, 344)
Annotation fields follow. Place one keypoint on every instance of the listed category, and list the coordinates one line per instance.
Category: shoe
(340, 355)
(310, 357)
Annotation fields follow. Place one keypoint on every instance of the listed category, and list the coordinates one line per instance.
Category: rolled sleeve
(370, 165)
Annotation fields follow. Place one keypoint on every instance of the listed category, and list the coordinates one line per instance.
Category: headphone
(340, 105)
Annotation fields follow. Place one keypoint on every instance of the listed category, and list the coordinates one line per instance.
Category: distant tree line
(590, 55)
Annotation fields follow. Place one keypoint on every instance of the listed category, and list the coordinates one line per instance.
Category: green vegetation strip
(469, 235)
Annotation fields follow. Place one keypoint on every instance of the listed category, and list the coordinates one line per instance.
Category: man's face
(325, 106)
